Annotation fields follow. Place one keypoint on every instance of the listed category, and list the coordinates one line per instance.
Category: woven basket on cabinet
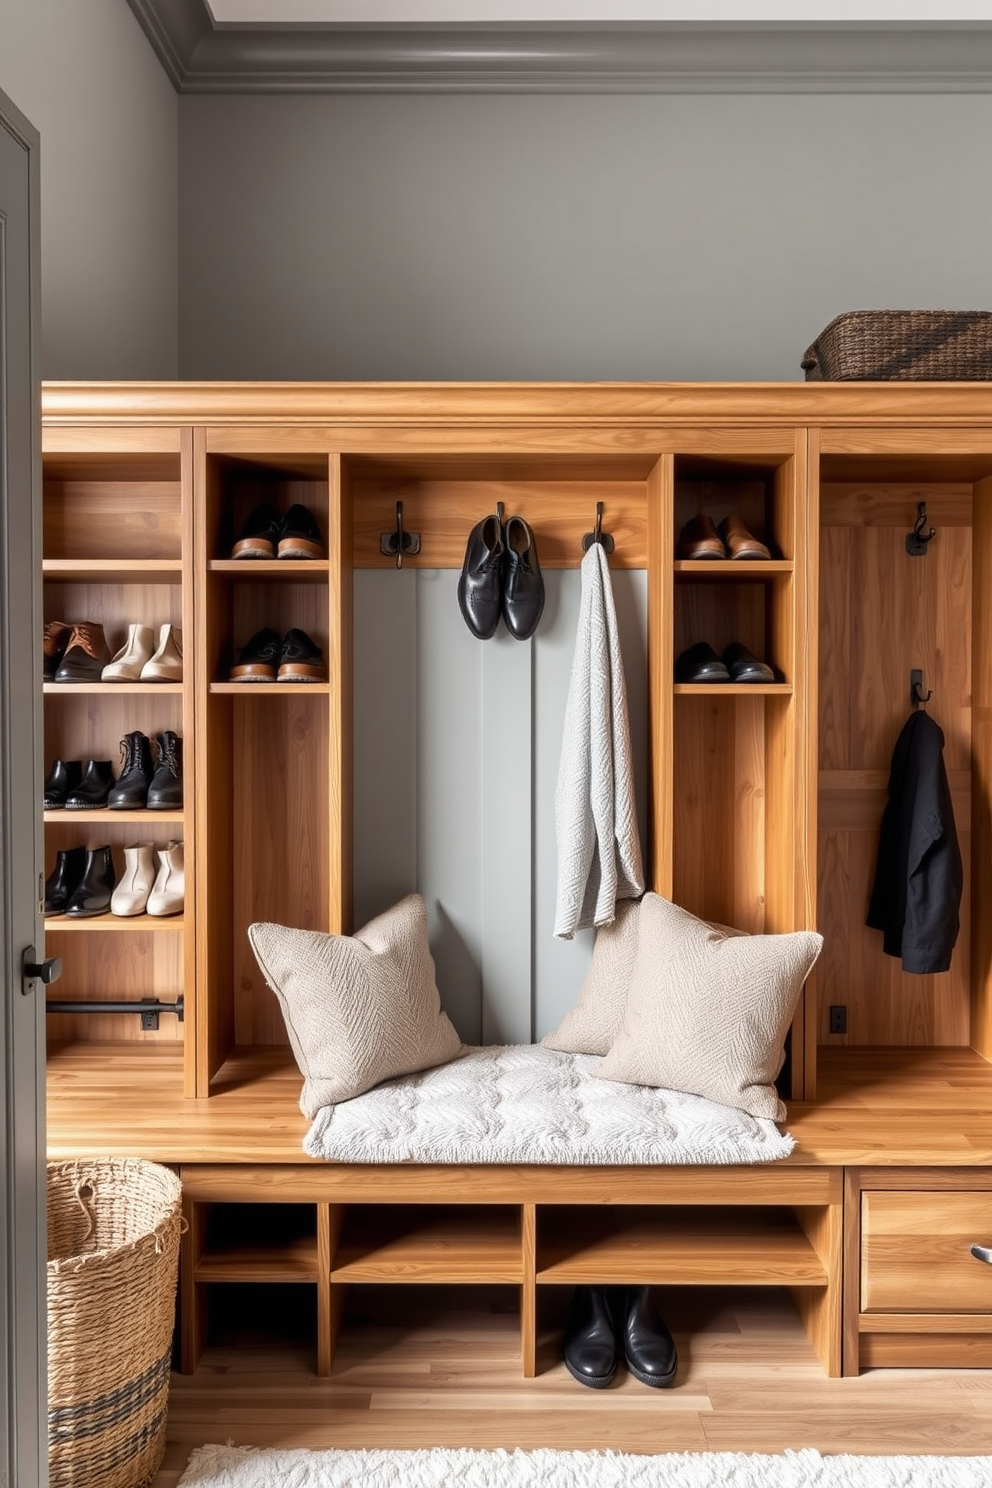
(113, 1252)
(903, 346)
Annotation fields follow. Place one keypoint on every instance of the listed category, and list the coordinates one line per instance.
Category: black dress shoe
(166, 790)
(85, 655)
(130, 793)
(299, 535)
(700, 664)
(744, 666)
(648, 1347)
(301, 659)
(480, 584)
(259, 535)
(64, 878)
(592, 1351)
(523, 586)
(93, 789)
(258, 660)
(62, 778)
(93, 893)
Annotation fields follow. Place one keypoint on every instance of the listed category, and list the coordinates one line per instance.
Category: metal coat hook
(399, 543)
(598, 536)
(917, 540)
(916, 693)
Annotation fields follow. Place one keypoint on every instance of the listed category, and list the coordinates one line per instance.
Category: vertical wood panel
(661, 654)
(339, 601)
(528, 1290)
(981, 791)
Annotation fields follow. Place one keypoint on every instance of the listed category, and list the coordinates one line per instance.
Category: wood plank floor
(420, 1367)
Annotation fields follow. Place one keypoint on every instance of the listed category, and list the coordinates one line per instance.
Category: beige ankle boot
(127, 663)
(169, 889)
(167, 663)
(131, 894)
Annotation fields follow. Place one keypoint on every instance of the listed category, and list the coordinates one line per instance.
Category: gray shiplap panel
(506, 863)
(449, 795)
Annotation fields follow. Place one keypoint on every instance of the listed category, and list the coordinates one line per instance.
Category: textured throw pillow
(707, 1013)
(591, 1026)
(358, 1008)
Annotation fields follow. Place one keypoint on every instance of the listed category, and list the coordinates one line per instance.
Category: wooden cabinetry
(763, 803)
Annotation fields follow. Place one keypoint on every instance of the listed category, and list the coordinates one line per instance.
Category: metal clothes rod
(148, 1007)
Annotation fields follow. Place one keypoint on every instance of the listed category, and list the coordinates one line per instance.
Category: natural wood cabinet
(763, 810)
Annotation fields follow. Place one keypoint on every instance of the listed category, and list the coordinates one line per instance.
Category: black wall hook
(599, 536)
(916, 693)
(399, 543)
(917, 540)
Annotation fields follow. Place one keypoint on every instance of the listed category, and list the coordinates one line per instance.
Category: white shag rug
(248, 1467)
(522, 1103)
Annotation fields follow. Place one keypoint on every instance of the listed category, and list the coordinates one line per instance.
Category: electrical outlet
(838, 1018)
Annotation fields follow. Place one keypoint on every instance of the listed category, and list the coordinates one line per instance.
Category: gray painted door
(22, 1231)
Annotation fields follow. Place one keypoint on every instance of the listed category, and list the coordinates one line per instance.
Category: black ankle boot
(93, 892)
(166, 790)
(70, 863)
(592, 1349)
(131, 790)
(63, 778)
(649, 1348)
(94, 787)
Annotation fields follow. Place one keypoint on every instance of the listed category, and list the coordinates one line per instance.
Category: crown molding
(202, 57)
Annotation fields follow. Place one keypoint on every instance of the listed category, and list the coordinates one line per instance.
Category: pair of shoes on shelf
(74, 652)
(143, 784)
(605, 1322)
(142, 658)
(700, 663)
(267, 535)
(501, 575)
(69, 785)
(267, 658)
(699, 538)
(81, 883)
(148, 886)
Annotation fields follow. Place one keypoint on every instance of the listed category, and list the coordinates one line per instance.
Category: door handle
(33, 970)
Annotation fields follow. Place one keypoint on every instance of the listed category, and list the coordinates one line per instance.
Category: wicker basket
(113, 1252)
(903, 346)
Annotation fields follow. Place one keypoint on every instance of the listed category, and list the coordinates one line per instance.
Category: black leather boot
(93, 789)
(131, 790)
(92, 894)
(649, 1348)
(63, 777)
(166, 790)
(592, 1350)
(480, 583)
(70, 863)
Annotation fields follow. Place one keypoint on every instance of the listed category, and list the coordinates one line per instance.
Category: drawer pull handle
(982, 1253)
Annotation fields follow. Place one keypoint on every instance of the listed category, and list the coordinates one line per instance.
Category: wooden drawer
(916, 1251)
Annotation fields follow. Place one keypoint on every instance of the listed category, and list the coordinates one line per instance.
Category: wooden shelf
(270, 689)
(295, 1259)
(730, 569)
(57, 924)
(113, 570)
(440, 1245)
(107, 814)
(307, 570)
(733, 689)
(108, 688)
(691, 1248)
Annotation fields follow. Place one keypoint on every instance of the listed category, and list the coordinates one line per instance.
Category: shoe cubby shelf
(110, 689)
(270, 689)
(731, 570)
(121, 924)
(107, 817)
(294, 570)
(733, 689)
(113, 570)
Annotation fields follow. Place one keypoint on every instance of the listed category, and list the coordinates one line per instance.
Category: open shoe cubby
(763, 803)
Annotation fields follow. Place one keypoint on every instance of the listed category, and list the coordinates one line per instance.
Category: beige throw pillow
(360, 1008)
(591, 1026)
(707, 1013)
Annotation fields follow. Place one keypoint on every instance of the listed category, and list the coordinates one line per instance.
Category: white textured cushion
(707, 1012)
(592, 1025)
(358, 1008)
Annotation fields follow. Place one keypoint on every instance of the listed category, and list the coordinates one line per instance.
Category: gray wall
(567, 237)
(84, 74)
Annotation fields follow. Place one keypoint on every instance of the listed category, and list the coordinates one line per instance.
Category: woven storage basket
(113, 1253)
(903, 346)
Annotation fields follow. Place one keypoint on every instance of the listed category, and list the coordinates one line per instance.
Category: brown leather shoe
(738, 541)
(57, 635)
(700, 539)
(86, 654)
